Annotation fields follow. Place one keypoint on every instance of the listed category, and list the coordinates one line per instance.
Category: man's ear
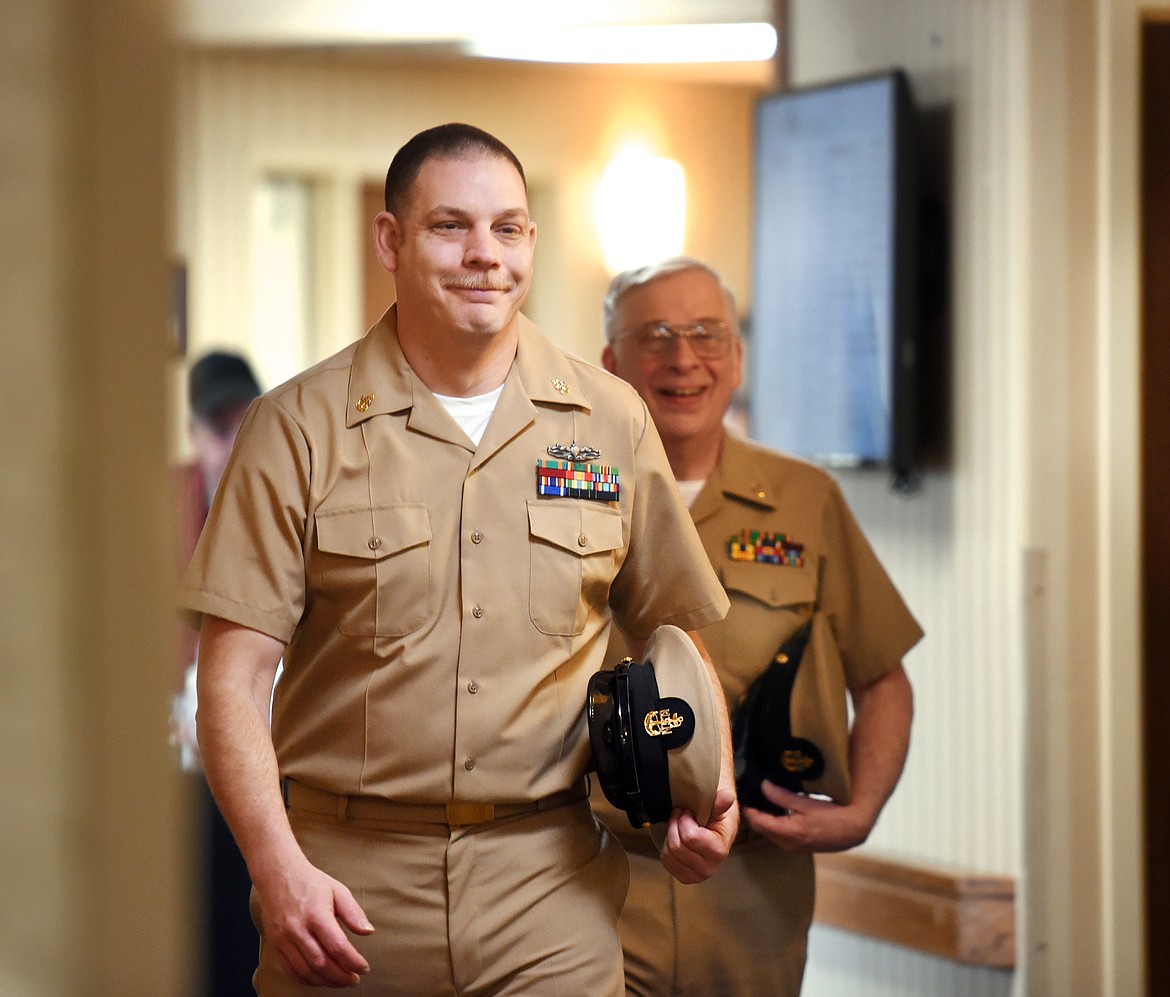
(737, 363)
(387, 239)
(609, 358)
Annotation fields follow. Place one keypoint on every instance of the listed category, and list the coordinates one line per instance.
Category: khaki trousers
(742, 933)
(520, 905)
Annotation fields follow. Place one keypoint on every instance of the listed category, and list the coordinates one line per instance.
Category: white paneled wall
(846, 965)
(1012, 731)
(952, 546)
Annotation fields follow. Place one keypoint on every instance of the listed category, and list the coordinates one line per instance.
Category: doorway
(1155, 457)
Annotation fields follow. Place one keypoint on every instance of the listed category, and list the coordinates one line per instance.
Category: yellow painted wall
(339, 120)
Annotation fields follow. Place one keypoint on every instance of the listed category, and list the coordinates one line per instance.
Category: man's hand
(811, 825)
(692, 853)
(302, 911)
(878, 742)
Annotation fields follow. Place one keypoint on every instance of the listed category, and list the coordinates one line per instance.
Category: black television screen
(835, 299)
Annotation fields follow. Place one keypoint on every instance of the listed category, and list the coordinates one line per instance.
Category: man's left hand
(811, 825)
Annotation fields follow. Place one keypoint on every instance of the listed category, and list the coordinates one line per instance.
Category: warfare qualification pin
(573, 451)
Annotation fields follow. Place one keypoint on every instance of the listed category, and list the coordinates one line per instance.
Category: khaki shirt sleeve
(249, 565)
(666, 577)
(873, 626)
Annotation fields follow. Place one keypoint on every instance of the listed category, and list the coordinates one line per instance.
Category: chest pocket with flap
(773, 585)
(573, 547)
(768, 603)
(375, 567)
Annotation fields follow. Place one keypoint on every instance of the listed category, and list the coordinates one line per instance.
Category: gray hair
(627, 280)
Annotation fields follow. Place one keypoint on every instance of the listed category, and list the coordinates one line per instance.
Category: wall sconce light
(640, 208)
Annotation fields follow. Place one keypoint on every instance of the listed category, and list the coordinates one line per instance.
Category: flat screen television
(834, 324)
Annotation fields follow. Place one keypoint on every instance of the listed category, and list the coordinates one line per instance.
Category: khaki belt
(452, 815)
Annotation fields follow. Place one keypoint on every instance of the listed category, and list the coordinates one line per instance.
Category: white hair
(627, 280)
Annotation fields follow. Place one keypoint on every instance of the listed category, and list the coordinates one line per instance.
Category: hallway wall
(1017, 553)
(1018, 550)
(93, 881)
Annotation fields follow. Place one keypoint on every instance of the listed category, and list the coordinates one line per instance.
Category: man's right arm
(300, 906)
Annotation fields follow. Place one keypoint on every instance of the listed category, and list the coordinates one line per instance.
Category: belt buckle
(460, 814)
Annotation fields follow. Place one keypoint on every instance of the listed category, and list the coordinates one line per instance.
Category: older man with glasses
(671, 332)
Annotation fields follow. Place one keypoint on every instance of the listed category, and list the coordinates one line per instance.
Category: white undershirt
(690, 490)
(472, 413)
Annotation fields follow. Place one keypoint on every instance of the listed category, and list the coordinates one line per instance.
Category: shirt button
(469, 764)
(473, 687)
(582, 540)
(477, 612)
(375, 543)
(476, 537)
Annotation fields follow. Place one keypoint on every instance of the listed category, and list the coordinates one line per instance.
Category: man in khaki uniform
(672, 333)
(396, 522)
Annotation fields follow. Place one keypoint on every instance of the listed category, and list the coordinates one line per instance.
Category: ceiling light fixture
(640, 207)
(633, 44)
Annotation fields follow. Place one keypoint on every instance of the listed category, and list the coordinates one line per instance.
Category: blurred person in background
(220, 387)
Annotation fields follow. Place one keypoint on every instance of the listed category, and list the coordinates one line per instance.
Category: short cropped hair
(627, 280)
(450, 141)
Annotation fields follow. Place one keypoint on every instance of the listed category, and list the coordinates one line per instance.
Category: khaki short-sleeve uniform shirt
(441, 617)
(755, 489)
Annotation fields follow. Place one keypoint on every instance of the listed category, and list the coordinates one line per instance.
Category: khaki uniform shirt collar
(381, 381)
(739, 476)
(540, 376)
(545, 372)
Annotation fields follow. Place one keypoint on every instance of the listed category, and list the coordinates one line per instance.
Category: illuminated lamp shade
(641, 210)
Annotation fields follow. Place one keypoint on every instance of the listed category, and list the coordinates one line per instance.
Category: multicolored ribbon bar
(565, 479)
(765, 548)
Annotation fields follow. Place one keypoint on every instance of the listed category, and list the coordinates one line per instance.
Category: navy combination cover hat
(218, 380)
(654, 732)
(790, 726)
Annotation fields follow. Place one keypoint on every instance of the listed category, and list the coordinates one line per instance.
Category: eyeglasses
(709, 339)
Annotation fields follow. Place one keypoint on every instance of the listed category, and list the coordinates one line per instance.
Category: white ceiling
(448, 27)
(363, 22)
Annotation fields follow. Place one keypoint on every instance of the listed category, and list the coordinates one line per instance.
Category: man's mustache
(479, 282)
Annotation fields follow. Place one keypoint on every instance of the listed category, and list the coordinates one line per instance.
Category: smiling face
(461, 249)
(687, 395)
